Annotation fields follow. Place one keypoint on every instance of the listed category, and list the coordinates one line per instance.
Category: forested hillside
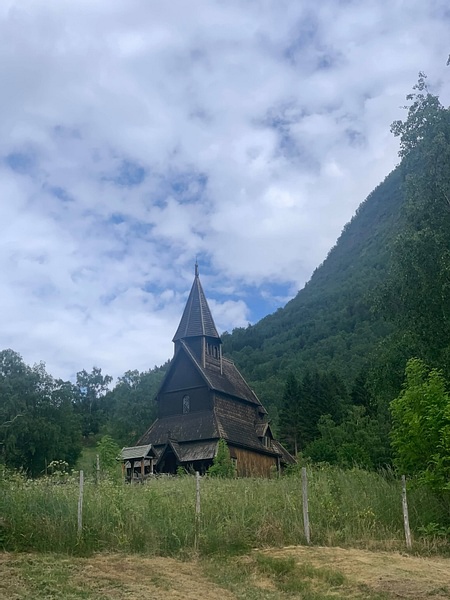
(330, 324)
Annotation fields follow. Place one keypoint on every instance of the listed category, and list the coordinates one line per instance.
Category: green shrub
(222, 465)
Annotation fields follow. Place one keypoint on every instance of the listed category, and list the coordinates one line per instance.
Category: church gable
(184, 390)
(182, 374)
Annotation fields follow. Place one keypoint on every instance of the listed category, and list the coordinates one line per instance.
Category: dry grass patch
(306, 573)
(102, 577)
(397, 574)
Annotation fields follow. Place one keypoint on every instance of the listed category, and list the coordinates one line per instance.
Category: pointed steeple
(197, 319)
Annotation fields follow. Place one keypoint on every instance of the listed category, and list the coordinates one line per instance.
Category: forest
(354, 370)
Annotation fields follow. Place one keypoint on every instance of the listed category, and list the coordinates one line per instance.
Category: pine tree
(290, 418)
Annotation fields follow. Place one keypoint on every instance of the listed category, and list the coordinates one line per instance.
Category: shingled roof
(197, 318)
(182, 428)
(205, 426)
(135, 452)
(191, 451)
(229, 380)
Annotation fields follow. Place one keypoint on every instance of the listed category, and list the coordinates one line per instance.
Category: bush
(222, 465)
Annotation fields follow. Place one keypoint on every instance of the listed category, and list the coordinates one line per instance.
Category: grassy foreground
(347, 508)
(309, 573)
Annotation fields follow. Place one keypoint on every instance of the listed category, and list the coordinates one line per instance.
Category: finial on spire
(196, 267)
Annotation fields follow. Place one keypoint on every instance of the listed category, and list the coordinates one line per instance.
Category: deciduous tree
(421, 426)
(37, 420)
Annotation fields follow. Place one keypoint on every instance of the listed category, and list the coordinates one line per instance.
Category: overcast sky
(138, 135)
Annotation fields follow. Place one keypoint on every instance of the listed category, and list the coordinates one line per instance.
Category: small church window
(186, 404)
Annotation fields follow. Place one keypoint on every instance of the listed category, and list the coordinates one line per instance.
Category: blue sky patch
(129, 174)
(20, 162)
(267, 299)
(188, 186)
(117, 219)
(59, 193)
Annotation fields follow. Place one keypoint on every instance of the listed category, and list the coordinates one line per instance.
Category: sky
(139, 136)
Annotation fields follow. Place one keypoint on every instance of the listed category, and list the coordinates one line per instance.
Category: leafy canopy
(421, 426)
(38, 424)
(424, 114)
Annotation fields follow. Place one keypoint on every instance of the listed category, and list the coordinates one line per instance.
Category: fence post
(80, 504)
(197, 511)
(305, 505)
(97, 472)
(405, 514)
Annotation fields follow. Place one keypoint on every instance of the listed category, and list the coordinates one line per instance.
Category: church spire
(197, 319)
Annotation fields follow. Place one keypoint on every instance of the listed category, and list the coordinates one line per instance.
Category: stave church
(202, 399)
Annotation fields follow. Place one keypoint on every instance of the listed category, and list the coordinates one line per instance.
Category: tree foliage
(421, 426)
(290, 414)
(222, 465)
(37, 421)
(91, 388)
(130, 407)
(416, 297)
(304, 403)
(381, 296)
(359, 440)
(425, 115)
(108, 451)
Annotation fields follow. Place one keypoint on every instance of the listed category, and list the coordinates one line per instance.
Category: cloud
(136, 137)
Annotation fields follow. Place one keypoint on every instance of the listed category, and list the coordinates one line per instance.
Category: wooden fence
(306, 522)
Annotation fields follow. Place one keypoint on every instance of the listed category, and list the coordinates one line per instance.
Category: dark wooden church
(203, 399)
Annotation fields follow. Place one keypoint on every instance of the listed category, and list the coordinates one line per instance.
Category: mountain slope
(329, 325)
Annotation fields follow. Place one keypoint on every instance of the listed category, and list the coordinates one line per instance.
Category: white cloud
(137, 136)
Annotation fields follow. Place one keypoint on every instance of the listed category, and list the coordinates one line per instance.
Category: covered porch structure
(137, 463)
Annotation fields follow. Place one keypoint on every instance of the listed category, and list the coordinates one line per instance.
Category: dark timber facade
(203, 399)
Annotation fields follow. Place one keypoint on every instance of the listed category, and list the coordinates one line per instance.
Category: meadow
(351, 508)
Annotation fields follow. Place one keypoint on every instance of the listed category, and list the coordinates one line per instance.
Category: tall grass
(352, 508)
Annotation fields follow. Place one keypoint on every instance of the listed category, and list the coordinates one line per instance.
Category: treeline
(320, 419)
(43, 419)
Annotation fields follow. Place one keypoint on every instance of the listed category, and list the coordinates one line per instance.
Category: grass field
(347, 508)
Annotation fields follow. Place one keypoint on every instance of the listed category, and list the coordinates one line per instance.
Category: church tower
(197, 328)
